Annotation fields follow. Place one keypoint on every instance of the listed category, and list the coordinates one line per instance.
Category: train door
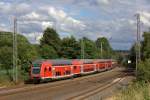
(48, 71)
(76, 69)
(106, 65)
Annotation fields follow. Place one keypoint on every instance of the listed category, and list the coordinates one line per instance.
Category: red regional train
(56, 69)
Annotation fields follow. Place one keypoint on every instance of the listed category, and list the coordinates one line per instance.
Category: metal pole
(138, 45)
(14, 51)
(139, 33)
(15, 74)
(109, 51)
(101, 50)
(82, 49)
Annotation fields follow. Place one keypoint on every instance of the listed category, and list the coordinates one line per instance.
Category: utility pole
(109, 51)
(82, 49)
(15, 74)
(138, 44)
(101, 50)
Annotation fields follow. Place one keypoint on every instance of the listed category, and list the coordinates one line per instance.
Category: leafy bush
(143, 72)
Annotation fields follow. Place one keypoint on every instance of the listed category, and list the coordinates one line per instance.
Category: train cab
(51, 69)
(40, 69)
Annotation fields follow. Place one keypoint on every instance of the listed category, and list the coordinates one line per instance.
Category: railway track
(96, 90)
(78, 88)
(54, 84)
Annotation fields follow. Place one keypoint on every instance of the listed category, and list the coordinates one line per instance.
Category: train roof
(56, 62)
(38, 61)
(59, 62)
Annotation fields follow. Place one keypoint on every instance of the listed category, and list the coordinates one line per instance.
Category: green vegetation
(146, 46)
(140, 89)
(144, 65)
(51, 47)
(26, 53)
(136, 91)
(143, 72)
(70, 48)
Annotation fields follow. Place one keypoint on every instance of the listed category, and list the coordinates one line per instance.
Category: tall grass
(136, 91)
(6, 77)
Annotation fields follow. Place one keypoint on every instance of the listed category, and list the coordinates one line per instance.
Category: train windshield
(36, 65)
(36, 70)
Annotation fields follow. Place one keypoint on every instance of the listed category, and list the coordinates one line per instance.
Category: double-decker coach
(51, 69)
(55, 69)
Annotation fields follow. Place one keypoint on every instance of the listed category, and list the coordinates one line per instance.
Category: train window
(36, 65)
(75, 67)
(58, 73)
(68, 72)
(49, 69)
(45, 69)
(36, 70)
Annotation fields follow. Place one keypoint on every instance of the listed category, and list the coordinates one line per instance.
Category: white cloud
(33, 15)
(61, 17)
(11, 8)
(98, 17)
(145, 18)
(3, 27)
(53, 18)
(106, 2)
(46, 24)
(146, 14)
(34, 37)
(5, 7)
(22, 8)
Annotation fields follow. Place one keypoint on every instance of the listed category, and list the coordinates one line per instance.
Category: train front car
(35, 72)
(41, 70)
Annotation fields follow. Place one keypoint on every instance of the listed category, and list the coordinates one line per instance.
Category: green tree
(48, 52)
(104, 43)
(6, 50)
(51, 38)
(144, 70)
(90, 49)
(146, 46)
(26, 52)
(70, 48)
(132, 55)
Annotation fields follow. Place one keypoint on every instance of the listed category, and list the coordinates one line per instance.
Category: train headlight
(53, 68)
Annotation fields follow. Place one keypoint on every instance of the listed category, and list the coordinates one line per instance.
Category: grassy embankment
(6, 78)
(140, 89)
(135, 91)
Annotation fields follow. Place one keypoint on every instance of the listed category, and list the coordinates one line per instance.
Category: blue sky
(91, 18)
